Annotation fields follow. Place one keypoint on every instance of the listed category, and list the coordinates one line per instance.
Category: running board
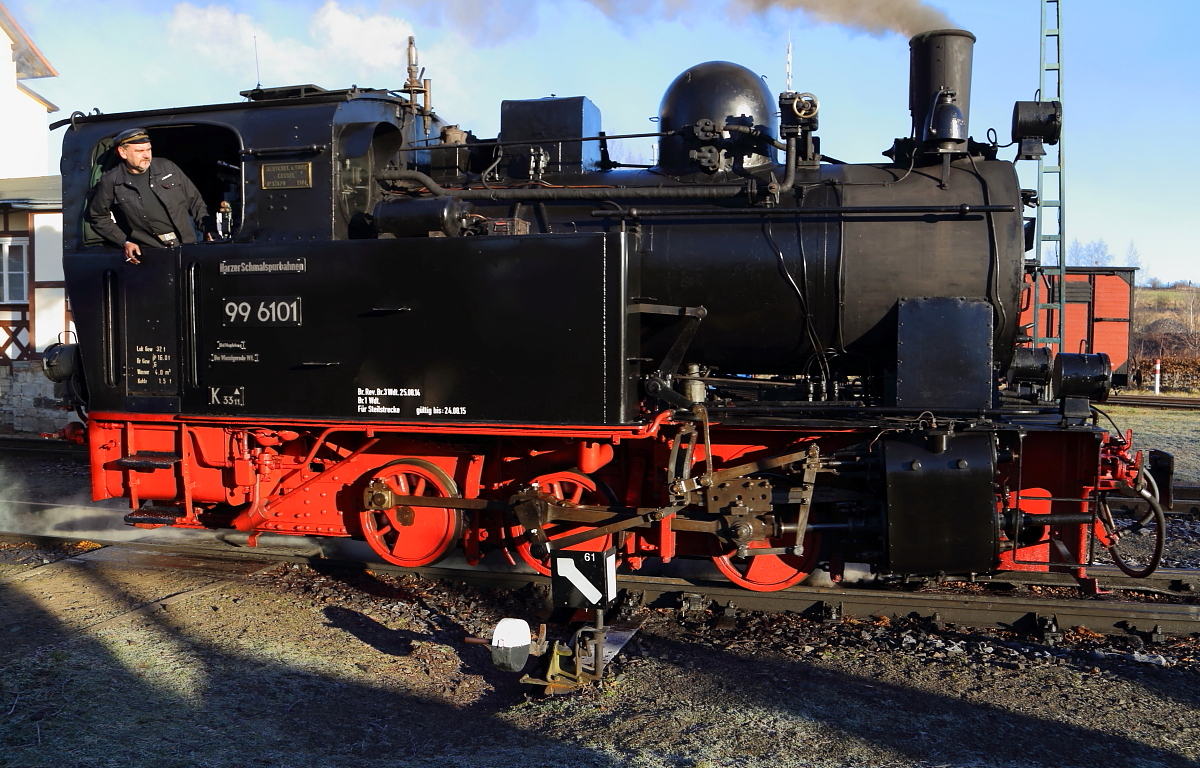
(151, 515)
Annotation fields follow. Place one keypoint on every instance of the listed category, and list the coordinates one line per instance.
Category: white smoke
(493, 21)
(877, 17)
(103, 523)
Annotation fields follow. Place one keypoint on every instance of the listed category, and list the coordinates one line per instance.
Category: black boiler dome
(723, 92)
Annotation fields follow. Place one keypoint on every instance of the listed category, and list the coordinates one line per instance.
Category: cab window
(210, 155)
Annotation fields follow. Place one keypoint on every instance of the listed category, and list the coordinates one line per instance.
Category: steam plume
(876, 17)
(906, 17)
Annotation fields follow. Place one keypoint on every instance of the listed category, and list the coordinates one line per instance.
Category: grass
(1174, 431)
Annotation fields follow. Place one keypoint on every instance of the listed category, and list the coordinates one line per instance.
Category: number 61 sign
(583, 579)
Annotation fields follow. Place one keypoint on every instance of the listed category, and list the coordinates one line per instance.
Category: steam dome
(724, 93)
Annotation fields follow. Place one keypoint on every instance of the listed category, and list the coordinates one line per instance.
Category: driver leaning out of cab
(146, 202)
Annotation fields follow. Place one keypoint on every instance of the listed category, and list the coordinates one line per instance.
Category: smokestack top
(940, 61)
(921, 37)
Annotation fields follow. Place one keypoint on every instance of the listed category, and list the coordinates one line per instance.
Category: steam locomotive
(498, 350)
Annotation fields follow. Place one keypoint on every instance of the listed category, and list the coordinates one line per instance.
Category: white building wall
(48, 304)
(49, 316)
(47, 246)
(23, 147)
(27, 401)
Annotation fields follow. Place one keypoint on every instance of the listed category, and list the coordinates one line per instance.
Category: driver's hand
(132, 251)
(208, 237)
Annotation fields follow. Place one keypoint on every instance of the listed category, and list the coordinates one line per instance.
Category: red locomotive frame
(298, 477)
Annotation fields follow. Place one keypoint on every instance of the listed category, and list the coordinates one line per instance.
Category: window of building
(14, 269)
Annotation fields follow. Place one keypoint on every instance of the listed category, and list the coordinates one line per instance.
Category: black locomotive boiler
(749, 354)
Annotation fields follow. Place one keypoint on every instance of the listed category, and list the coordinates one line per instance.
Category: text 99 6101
(268, 311)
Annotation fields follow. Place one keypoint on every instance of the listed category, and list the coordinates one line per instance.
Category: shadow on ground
(154, 694)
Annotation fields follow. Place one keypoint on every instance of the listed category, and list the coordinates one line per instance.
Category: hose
(1160, 524)
(483, 176)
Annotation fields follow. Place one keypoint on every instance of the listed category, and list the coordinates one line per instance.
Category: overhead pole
(1049, 285)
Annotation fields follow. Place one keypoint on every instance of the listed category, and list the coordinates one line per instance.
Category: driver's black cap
(132, 136)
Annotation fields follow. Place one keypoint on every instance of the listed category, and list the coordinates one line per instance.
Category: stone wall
(27, 401)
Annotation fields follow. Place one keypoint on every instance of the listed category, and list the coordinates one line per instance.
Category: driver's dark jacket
(116, 194)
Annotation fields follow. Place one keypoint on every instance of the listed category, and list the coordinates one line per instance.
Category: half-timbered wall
(15, 250)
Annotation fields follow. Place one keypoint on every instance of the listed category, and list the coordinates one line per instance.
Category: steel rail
(1023, 613)
(1019, 613)
(41, 445)
(1154, 401)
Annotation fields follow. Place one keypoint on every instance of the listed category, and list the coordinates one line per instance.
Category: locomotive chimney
(939, 85)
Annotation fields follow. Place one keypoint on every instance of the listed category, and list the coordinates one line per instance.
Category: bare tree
(1132, 257)
(1093, 254)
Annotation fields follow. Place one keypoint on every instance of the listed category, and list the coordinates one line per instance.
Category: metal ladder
(1051, 179)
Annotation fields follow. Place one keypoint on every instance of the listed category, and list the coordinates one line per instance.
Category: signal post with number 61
(583, 579)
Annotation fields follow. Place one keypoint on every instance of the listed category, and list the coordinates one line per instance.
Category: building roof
(32, 193)
(29, 60)
(39, 98)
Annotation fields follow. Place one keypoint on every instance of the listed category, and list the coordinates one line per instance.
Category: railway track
(1154, 401)
(1148, 607)
(42, 446)
(1186, 501)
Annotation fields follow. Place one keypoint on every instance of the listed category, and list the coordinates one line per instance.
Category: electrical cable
(841, 291)
(1120, 432)
(809, 330)
(994, 139)
(816, 339)
(483, 176)
(912, 161)
(995, 248)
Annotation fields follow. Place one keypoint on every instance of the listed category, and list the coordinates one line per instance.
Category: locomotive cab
(266, 167)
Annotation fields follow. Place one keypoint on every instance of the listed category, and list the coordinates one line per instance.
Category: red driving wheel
(768, 573)
(412, 536)
(576, 488)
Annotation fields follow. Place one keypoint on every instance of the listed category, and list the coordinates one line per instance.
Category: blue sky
(1131, 97)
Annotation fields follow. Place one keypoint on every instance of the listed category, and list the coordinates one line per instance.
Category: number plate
(267, 311)
(227, 396)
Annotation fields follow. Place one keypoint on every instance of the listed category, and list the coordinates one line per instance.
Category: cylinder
(693, 389)
(940, 60)
(1031, 364)
(423, 217)
(1079, 375)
